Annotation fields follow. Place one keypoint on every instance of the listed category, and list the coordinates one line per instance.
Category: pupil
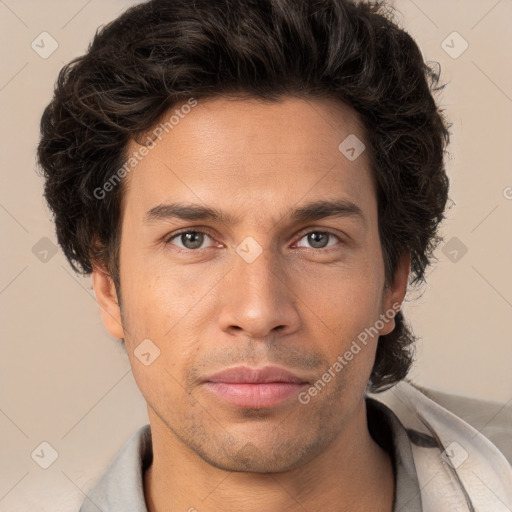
(192, 240)
(313, 239)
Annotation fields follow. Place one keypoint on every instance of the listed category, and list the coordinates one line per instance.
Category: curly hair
(160, 53)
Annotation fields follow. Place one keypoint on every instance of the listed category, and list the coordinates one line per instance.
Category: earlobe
(106, 295)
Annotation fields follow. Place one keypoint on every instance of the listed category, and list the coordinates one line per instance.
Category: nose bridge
(258, 270)
(257, 298)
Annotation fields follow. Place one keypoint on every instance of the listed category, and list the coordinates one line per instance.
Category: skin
(297, 305)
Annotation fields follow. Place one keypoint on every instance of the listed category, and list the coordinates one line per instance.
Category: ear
(106, 294)
(394, 294)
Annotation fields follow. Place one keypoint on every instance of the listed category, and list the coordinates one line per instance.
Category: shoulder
(492, 419)
(461, 446)
(121, 486)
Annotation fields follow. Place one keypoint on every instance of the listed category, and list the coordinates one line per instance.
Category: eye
(318, 239)
(190, 240)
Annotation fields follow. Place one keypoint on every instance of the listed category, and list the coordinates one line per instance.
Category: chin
(278, 456)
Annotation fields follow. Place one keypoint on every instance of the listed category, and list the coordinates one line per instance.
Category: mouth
(254, 387)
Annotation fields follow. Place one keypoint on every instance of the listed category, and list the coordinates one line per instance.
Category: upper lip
(244, 374)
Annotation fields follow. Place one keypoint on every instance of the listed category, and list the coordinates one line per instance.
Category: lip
(254, 387)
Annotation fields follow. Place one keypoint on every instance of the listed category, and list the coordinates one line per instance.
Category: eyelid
(168, 238)
(305, 232)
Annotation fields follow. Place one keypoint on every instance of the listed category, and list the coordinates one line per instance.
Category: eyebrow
(314, 210)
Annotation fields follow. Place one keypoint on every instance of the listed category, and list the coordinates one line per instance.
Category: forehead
(251, 154)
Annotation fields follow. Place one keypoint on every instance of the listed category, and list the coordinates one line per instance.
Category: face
(272, 262)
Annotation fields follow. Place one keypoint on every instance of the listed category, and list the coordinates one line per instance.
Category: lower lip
(256, 395)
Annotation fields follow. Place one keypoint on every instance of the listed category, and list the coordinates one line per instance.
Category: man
(252, 186)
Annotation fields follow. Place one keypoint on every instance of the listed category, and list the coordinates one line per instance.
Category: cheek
(161, 386)
(158, 298)
(163, 304)
(345, 300)
(349, 305)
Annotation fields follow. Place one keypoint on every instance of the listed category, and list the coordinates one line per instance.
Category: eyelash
(171, 237)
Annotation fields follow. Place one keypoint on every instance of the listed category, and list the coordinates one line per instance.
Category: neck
(353, 473)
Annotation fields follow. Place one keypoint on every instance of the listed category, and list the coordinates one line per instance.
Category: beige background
(66, 382)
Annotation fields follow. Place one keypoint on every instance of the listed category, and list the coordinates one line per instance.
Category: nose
(258, 298)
